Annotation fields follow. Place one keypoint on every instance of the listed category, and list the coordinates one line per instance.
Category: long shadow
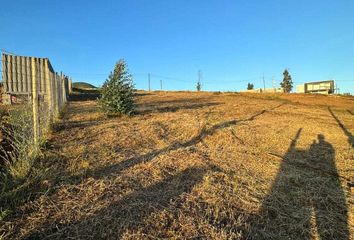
(186, 180)
(302, 201)
(84, 96)
(129, 213)
(70, 125)
(350, 112)
(142, 94)
(345, 130)
(173, 101)
(106, 171)
(173, 108)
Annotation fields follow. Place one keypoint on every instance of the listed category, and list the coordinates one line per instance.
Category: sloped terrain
(196, 166)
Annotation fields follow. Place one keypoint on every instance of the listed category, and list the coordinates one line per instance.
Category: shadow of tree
(172, 102)
(143, 94)
(345, 130)
(130, 212)
(106, 171)
(160, 108)
(304, 200)
(85, 96)
(155, 197)
(75, 125)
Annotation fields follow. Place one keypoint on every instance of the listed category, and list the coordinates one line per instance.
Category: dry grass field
(196, 166)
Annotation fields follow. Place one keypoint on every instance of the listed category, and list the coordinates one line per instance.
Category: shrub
(117, 94)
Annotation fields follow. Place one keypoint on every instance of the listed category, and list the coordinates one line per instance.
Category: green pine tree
(250, 86)
(287, 83)
(117, 94)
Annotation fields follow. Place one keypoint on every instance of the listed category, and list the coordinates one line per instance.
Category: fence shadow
(129, 213)
(304, 198)
(345, 130)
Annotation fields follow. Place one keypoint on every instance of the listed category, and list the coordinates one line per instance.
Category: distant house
(322, 87)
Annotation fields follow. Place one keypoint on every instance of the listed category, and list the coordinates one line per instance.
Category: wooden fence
(33, 80)
(17, 76)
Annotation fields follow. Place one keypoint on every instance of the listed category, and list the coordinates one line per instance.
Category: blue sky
(231, 41)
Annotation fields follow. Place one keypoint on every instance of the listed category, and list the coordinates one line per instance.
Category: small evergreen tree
(287, 83)
(117, 94)
(250, 86)
(199, 86)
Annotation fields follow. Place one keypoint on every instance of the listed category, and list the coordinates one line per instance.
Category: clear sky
(231, 41)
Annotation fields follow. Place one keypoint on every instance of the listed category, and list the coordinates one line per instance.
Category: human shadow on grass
(106, 171)
(345, 130)
(306, 197)
(129, 213)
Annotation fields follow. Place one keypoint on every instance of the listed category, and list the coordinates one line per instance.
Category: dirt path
(207, 166)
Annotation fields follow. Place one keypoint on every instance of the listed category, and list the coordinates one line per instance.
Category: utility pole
(263, 83)
(199, 80)
(161, 85)
(200, 77)
(273, 82)
(149, 81)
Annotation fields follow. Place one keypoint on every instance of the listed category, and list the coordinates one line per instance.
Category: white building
(322, 87)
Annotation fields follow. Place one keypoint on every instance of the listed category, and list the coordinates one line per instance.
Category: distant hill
(83, 91)
(83, 85)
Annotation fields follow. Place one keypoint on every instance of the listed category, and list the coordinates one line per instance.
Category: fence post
(65, 84)
(70, 86)
(48, 89)
(54, 94)
(5, 78)
(61, 89)
(57, 93)
(35, 103)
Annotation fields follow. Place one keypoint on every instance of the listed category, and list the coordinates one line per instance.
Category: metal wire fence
(39, 92)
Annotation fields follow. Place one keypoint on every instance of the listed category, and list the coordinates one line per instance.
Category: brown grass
(196, 166)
